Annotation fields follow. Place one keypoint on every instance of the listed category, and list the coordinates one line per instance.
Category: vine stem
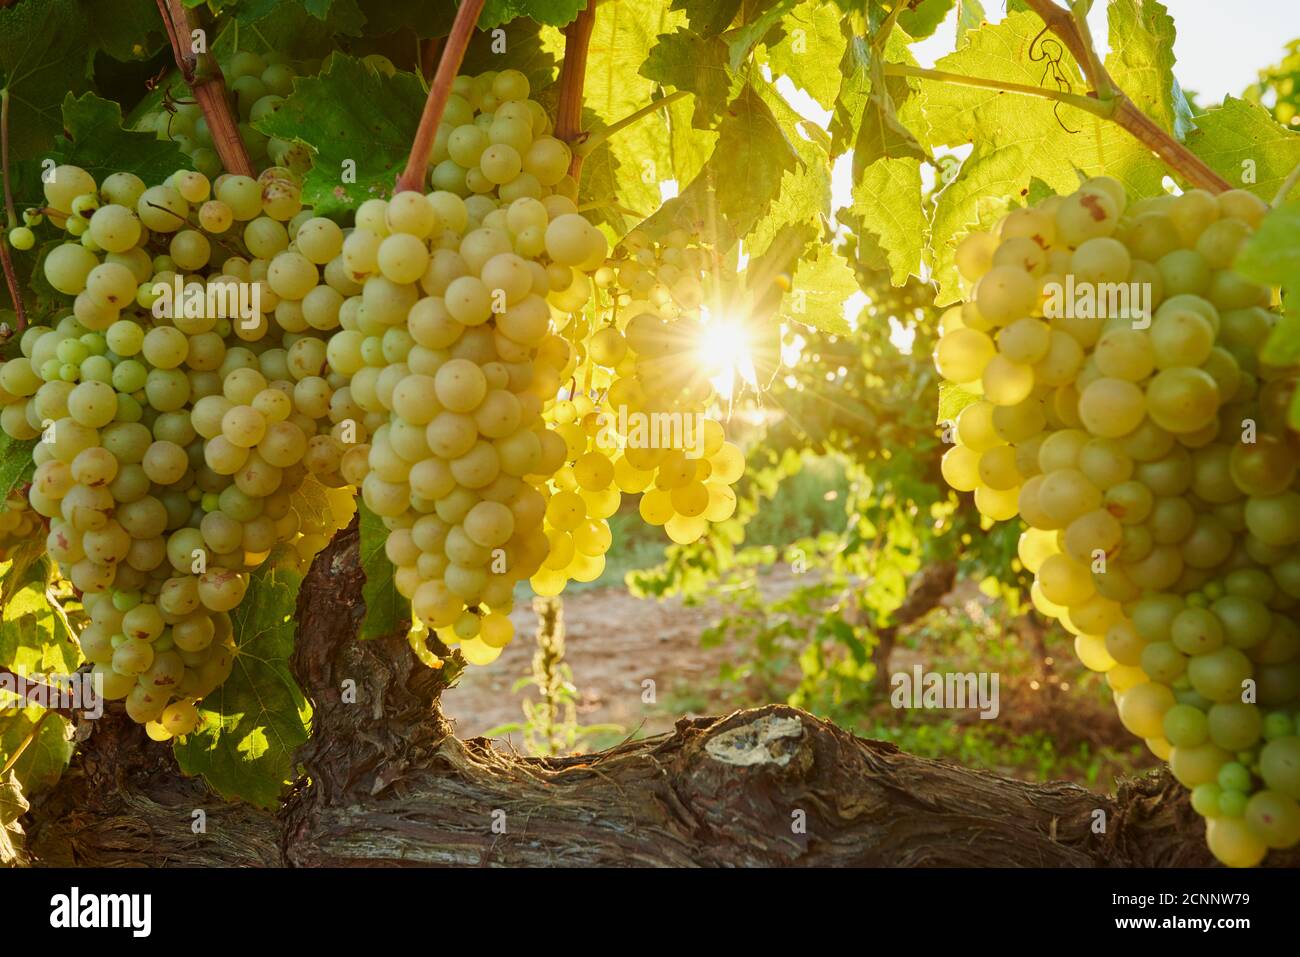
(6, 261)
(453, 54)
(1101, 80)
(1287, 185)
(204, 78)
(1088, 103)
(593, 139)
(573, 74)
(1124, 111)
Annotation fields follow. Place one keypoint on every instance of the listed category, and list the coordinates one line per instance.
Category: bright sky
(1220, 47)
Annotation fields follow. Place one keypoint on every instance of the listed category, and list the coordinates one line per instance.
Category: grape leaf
(387, 612)
(741, 180)
(1141, 62)
(1272, 256)
(424, 19)
(290, 28)
(94, 139)
(686, 61)
(970, 14)
(254, 722)
(28, 641)
(811, 40)
(125, 29)
(44, 760)
(756, 154)
(45, 52)
(952, 399)
(630, 166)
(1246, 146)
(708, 18)
(819, 290)
(855, 85)
(741, 41)
(921, 19)
(805, 194)
(349, 115)
(555, 13)
(532, 50)
(339, 16)
(1015, 137)
(887, 199)
(16, 466)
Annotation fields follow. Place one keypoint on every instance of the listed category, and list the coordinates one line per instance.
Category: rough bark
(387, 783)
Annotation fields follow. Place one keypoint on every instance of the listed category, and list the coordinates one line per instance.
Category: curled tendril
(1048, 51)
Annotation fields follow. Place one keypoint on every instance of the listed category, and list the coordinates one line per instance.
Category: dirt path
(615, 644)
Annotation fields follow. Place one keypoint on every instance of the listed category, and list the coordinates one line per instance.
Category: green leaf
(125, 29)
(1015, 137)
(922, 18)
(740, 181)
(555, 13)
(45, 52)
(387, 612)
(709, 17)
(752, 156)
(805, 194)
(350, 113)
(46, 758)
(291, 28)
(1271, 256)
(94, 139)
(629, 167)
(253, 724)
(533, 50)
(821, 286)
(742, 41)
(1246, 146)
(970, 14)
(855, 86)
(424, 19)
(952, 399)
(1141, 62)
(16, 465)
(31, 642)
(811, 40)
(686, 61)
(887, 201)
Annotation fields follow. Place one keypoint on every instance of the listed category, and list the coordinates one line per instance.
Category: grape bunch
(257, 85)
(178, 445)
(445, 337)
(1145, 445)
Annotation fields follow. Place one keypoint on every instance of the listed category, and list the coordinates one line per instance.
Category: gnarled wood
(386, 783)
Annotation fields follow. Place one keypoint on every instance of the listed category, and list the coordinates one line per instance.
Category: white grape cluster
(639, 355)
(257, 85)
(446, 336)
(176, 450)
(1147, 450)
